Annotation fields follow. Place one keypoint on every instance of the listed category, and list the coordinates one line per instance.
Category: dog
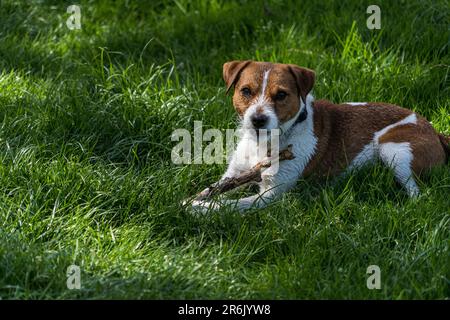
(327, 139)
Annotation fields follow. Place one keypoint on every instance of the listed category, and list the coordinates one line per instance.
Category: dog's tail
(445, 141)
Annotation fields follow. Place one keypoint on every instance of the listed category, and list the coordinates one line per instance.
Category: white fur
(262, 96)
(398, 156)
(411, 119)
(367, 155)
(356, 103)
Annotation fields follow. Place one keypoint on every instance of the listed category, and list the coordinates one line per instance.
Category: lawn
(86, 176)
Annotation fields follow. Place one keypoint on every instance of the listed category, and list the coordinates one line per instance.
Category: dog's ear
(305, 79)
(232, 70)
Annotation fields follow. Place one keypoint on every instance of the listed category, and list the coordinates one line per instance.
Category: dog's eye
(281, 95)
(246, 92)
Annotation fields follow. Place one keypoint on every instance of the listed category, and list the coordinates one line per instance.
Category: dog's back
(351, 134)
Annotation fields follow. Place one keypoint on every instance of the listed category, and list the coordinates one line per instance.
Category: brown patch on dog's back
(343, 130)
(424, 142)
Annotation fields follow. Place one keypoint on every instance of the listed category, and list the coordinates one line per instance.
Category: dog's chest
(249, 152)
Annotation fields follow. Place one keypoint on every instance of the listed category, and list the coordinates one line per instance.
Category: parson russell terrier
(326, 138)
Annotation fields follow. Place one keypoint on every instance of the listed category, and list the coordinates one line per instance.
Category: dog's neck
(304, 112)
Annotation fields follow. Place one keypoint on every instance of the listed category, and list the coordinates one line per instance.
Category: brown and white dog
(327, 138)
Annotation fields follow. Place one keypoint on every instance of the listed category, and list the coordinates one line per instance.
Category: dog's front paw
(201, 206)
(198, 206)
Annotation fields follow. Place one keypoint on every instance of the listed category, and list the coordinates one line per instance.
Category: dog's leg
(256, 201)
(276, 180)
(398, 157)
(260, 200)
(271, 187)
(409, 150)
(235, 168)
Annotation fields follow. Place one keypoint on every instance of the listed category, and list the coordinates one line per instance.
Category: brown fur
(343, 130)
(293, 80)
(424, 141)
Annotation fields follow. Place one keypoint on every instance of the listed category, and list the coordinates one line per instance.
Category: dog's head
(267, 95)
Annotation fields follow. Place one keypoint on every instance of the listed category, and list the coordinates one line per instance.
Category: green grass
(86, 176)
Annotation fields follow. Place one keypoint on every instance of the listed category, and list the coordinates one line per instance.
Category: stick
(254, 174)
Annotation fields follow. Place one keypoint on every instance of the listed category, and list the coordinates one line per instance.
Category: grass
(86, 176)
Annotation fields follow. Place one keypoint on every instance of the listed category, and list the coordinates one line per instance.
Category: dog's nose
(259, 120)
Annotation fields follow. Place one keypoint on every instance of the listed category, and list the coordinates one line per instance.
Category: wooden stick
(252, 175)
